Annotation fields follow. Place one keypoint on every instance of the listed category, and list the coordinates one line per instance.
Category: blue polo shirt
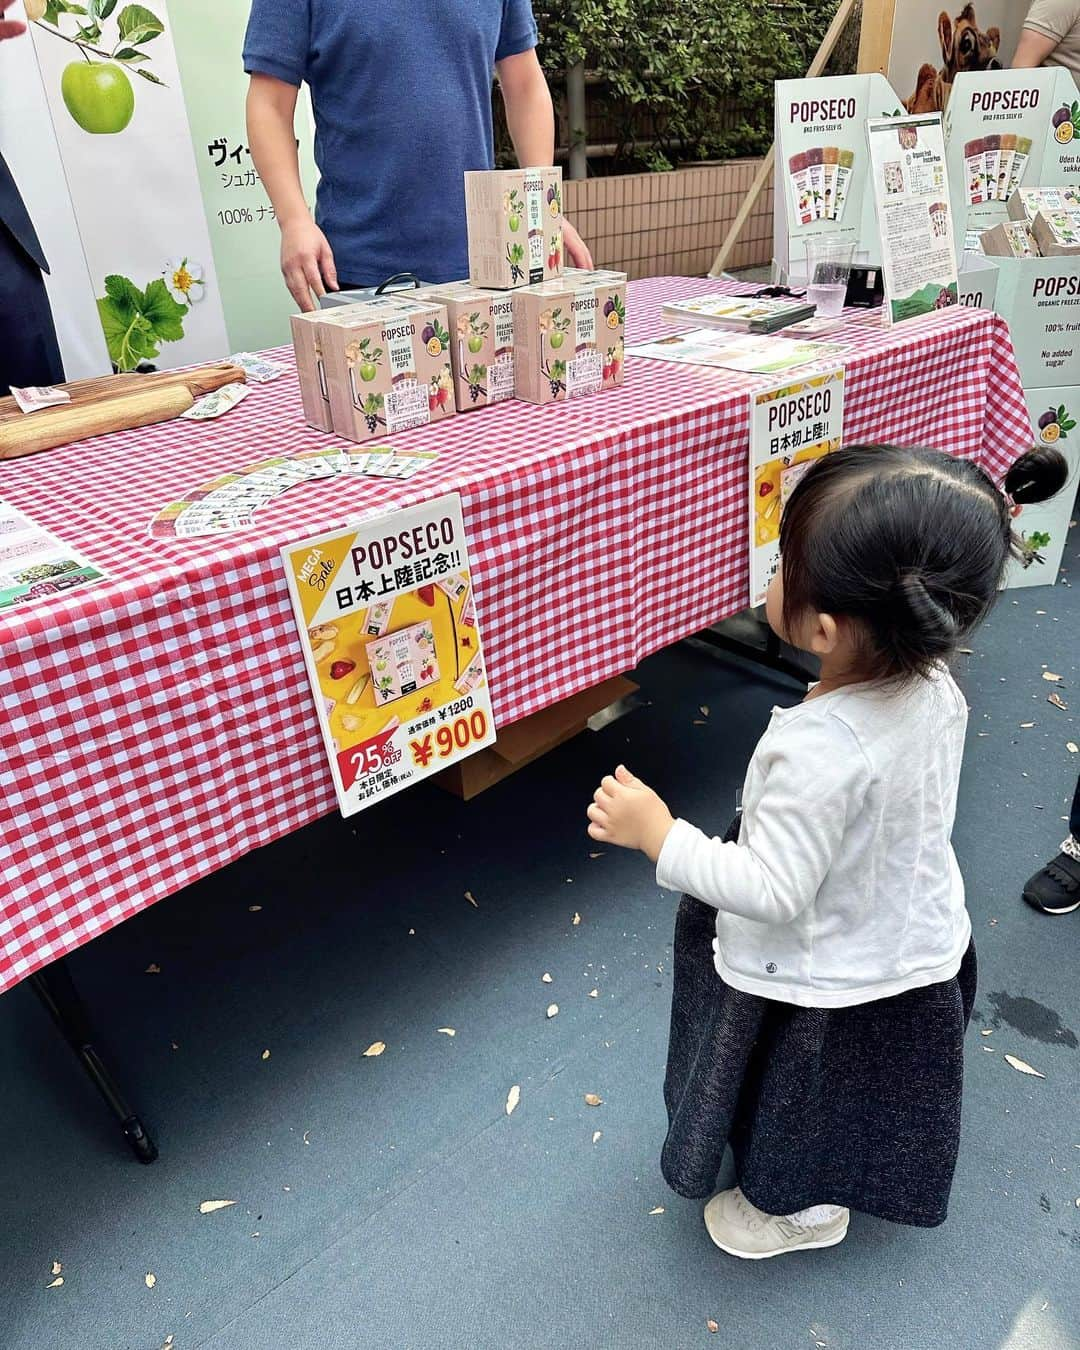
(402, 97)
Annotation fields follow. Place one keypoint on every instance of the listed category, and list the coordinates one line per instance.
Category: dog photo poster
(931, 45)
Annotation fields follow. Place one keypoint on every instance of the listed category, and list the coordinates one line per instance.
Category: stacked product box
(481, 325)
(383, 366)
(1038, 293)
(568, 336)
(515, 226)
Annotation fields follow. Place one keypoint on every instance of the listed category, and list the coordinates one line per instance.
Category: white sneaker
(741, 1229)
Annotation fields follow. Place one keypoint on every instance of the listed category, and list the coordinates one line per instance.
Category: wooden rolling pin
(115, 403)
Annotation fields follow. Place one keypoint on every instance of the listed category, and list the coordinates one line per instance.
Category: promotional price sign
(392, 647)
(911, 192)
(791, 425)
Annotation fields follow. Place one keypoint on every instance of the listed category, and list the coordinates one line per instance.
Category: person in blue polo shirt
(402, 96)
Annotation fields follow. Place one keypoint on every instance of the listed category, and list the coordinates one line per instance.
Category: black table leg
(54, 986)
(734, 636)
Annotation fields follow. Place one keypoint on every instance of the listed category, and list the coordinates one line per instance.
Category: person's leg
(1055, 888)
(29, 353)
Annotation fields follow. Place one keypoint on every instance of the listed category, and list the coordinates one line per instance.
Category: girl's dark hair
(910, 544)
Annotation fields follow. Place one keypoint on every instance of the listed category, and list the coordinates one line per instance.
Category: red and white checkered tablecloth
(158, 725)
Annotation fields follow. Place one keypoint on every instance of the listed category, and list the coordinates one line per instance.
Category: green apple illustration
(515, 222)
(367, 371)
(475, 343)
(99, 97)
(556, 340)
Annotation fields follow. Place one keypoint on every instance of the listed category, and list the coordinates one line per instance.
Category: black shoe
(1055, 889)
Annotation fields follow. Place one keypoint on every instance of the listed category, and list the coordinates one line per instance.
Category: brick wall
(653, 224)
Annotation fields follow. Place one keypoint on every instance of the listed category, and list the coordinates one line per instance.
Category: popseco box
(514, 219)
(388, 367)
(568, 336)
(307, 345)
(481, 325)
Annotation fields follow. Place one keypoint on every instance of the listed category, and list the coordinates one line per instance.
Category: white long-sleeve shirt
(843, 886)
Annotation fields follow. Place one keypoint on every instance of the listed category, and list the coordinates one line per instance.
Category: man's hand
(626, 812)
(10, 28)
(307, 262)
(577, 252)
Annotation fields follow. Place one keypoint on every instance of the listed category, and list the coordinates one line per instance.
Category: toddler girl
(822, 1035)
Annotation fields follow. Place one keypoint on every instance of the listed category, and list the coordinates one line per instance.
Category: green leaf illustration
(129, 54)
(148, 75)
(138, 24)
(101, 9)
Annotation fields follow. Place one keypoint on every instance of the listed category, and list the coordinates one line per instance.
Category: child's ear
(825, 635)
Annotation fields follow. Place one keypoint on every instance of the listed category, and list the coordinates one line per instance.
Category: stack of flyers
(740, 314)
(217, 403)
(230, 501)
(256, 367)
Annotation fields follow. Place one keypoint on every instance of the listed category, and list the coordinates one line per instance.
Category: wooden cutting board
(112, 403)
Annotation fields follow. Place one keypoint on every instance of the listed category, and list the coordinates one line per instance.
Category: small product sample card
(37, 396)
(217, 403)
(256, 367)
(34, 563)
(230, 502)
(911, 193)
(393, 650)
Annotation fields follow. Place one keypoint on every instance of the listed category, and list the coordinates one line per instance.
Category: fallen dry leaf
(965, 651)
(447, 1031)
(212, 1206)
(576, 919)
(591, 1099)
(658, 1210)
(987, 1031)
(1072, 747)
(1049, 675)
(56, 1267)
(1058, 702)
(266, 1054)
(56, 1283)
(167, 1343)
(553, 1010)
(150, 1278)
(1021, 1067)
(512, 1099)
(471, 899)
(598, 1134)
(546, 978)
(153, 969)
(594, 993)
(713, 1325)
(375, 1048)
(1026, 725)
(306, 1134)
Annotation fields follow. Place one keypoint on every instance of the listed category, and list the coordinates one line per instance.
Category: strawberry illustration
(427, 594)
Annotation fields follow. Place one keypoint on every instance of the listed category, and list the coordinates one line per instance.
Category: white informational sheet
(35, 564)
(751, 355)
(791, 426)
(911, 192)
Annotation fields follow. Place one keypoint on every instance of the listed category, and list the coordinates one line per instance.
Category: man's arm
(531, 120)
(1032, 49)
(307, 261)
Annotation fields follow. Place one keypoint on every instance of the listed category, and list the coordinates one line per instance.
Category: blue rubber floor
(389, 1201)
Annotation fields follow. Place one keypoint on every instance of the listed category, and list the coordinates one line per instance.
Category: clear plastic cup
(828, 267)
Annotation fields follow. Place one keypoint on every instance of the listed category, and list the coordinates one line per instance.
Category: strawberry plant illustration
(1066, 123)
(371, 410)
(435, 338)
(1055, 425)
(515, 256)
(554, 200)
(135, 322)
(1030, 544)
(96, 87)
(364, 358)
(614, 312)
(440, 390)
(514, 208)
(613, 360)
(554, 258)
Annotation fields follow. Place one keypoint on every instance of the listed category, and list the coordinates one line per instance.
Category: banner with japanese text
(791, 425)
(392, 646)
(147, 109)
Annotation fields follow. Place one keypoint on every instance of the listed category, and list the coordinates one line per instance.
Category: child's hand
(626, 812)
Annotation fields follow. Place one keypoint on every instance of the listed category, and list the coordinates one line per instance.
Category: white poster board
(791, 425)
(822, 170)
(391, 643)
(911, 195)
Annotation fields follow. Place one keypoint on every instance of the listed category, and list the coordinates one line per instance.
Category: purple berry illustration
(1062, 115)
(1049, 416)
(427, 334)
